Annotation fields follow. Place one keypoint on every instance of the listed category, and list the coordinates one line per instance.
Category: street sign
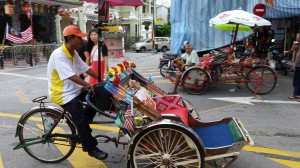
(159, 21)
(159, 26)
(259, 9)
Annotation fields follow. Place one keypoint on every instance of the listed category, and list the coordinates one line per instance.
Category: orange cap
(73, 30)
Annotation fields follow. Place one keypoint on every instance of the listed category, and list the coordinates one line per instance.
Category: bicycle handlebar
(88, 98)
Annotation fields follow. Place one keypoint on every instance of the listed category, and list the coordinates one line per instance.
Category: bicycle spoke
(50, 148)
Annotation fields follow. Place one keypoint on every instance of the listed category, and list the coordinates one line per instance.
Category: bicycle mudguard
(195, 67)
(167, 122)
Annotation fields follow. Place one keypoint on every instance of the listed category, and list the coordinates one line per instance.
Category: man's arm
(92, 73)
(176, 59)
(76, 79)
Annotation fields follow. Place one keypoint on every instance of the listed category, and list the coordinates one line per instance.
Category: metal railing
(28, 54)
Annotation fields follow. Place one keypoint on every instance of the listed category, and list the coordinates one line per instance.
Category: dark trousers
(81, 117)
(296, 82)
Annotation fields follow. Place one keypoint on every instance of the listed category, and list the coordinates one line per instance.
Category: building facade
(50, 17)
(43, 17)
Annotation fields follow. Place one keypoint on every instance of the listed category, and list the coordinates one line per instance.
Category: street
(272, 120)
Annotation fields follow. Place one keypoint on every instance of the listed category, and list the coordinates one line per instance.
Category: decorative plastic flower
(118, 69)
(126, 64)
(111, 72)
(132, 65)
(122, 67)
(117, 80)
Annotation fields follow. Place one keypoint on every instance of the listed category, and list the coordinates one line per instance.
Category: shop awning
(60, 3)
(280, 9)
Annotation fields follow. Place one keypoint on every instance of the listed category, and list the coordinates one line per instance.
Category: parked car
(163, 44)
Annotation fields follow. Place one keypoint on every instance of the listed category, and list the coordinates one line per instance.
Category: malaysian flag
(18, 37)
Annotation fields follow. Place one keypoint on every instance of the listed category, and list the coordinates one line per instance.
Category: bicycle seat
(39, 99)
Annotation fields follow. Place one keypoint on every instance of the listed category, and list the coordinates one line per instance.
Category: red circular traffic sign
(259, 9)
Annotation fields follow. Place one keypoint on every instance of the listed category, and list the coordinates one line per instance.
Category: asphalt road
(272, 120)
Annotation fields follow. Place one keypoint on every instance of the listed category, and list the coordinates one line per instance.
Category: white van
(163, 44)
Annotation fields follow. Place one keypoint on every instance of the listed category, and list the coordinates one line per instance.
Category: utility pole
(153, 27)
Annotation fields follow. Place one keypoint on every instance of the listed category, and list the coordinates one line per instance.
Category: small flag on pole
(18, 37)
(129, 123)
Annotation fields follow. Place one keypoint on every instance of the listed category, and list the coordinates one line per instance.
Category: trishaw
(224, 67)
(165, 136)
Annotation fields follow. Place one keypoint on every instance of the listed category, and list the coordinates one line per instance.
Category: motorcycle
(165, 67)
(278, 61)
(165, 64)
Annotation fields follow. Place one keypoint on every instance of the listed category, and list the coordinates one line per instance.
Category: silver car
(163, 44)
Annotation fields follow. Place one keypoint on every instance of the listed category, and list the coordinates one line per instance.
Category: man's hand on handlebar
(88, 88)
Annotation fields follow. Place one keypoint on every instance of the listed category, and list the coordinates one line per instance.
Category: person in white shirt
(66, 88)
(191, 59)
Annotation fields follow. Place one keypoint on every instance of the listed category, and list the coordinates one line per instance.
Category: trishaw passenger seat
(182, 112)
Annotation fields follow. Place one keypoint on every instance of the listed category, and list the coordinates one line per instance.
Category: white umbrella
(238, 16)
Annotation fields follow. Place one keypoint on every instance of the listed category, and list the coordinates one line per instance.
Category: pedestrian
(83, 54)
(191, 59)
(92, 60)
(67, 89)
(296, 78)
(295, 47)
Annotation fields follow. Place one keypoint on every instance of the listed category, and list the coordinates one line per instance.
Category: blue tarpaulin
(189, 20)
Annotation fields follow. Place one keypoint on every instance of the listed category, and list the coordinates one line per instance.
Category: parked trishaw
(161, 129)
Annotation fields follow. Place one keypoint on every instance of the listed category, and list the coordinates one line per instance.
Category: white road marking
(251, 100)
(22, 76)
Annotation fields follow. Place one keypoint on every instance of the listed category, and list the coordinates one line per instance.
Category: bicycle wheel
(163, 69)
(166, 146)
(50, 149)
(195, 81)
(261, 80)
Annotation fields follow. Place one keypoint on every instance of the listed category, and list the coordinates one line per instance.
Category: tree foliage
(163, 32)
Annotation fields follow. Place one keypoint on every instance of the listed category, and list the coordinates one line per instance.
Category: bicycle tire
(195, 81)
(166, 145)
(163, 69)
(48, 150)
(260, 74)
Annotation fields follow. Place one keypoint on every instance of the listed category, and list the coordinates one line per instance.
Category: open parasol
(103, 9)
(232, 27)
(238, 17)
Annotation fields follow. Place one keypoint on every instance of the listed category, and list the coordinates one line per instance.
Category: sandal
(294, 97)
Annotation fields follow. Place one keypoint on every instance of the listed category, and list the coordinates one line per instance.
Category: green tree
(163, 32)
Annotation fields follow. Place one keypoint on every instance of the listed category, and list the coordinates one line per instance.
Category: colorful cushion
(165, 103)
